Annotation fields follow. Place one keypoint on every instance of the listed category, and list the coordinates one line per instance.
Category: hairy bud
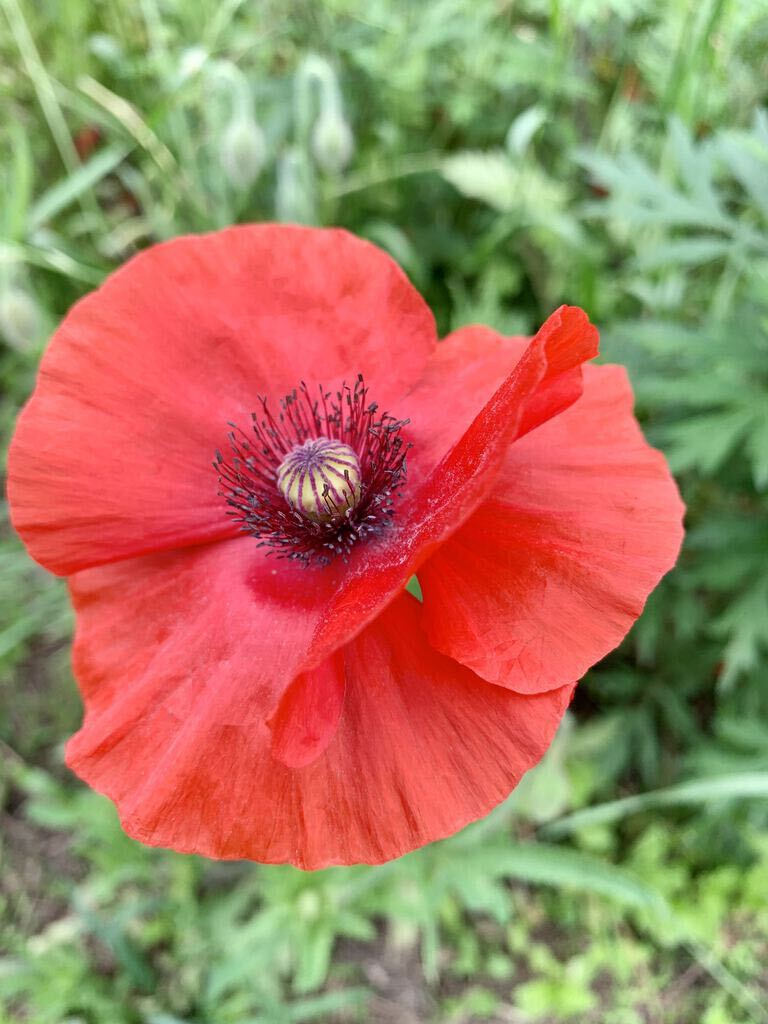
(19, 318)
(332, 141)
(243, 152)
(327, 134)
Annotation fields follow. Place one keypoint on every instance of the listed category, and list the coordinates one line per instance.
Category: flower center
(320, 479)
(317, 477)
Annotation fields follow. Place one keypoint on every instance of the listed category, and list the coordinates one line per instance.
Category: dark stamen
(314, 524)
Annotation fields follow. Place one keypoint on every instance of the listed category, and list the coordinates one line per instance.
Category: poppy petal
(544, 380)
(112, 455)
(216, 630)
(308, 713)
(551, 572)
(175, 731)
(463, 373)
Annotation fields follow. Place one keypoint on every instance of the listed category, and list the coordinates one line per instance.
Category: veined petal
(175, 729)
(112, 455)
(544, 380)
(218, 631)
(552, 570)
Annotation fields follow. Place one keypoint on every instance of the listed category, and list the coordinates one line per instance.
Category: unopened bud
(332, 142)
(243, 152)
(19, 319)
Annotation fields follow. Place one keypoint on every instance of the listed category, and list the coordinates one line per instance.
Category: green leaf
(523, 128)
(745, 622)
(68, 189)
(638, 195)
(705, 442)
(313, 958)
(325, 1006)
(487, 176)
(757, 443)
(684, 251)
(542, 864)
(18, 185)
(747, 158)
(708, 791)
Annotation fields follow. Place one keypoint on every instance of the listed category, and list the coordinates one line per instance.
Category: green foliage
(611, 153)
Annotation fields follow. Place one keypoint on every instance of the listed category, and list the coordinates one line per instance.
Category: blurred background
(511, 156)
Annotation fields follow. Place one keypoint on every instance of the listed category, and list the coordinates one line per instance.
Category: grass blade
(68, 189)
(542, 864)
(721, 787)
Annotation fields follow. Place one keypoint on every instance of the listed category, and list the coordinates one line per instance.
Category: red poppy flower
(306, 708)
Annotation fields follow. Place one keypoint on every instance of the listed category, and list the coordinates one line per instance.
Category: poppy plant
(240, 449)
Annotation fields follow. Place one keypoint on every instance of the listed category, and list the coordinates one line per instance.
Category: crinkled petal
(306, 718)
(175, 730)
(461, 376)
(544, 381)
(215, 632)
(112, 455)
(553, 569)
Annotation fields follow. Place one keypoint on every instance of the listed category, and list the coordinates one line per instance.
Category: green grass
(511, 156)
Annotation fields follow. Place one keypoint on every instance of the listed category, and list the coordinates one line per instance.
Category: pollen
(321, 479)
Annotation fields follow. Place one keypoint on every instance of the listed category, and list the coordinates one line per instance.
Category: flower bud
(19, 319)
(332, 141)
(243, 152)
(192, 62)
(329, 134)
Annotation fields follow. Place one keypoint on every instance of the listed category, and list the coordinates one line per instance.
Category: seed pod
(320, 479)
